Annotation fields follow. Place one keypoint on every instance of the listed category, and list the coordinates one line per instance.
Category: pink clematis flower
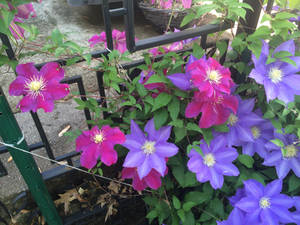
(40, 88)
(152, 180)
(187, 3)
(119, 40)
(97, 143)
(215, 109)
(210, 76)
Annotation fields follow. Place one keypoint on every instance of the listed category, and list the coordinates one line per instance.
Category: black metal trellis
(127, 11)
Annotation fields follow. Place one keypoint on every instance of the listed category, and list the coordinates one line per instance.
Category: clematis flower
(97, 143)
(152, 180)
(210, 76)
(215, 110)
(261, 133)
(119, 40)
(243, 123)
(40, 88)
(285, 159)
(166, 4)
(186, 4)
(279, 78)
(148, 152)
(265, 205)
(215, 163)
(296, 215)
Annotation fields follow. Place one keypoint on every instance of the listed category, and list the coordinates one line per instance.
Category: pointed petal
(82, 142)
(254, 188)
(288, 68)
(153, 179)
(273, 188)
(247, 204)
(161, 135)
(88, 158)
(273, 158)
(134, 159)
(108, 155)
(144, 169)
(288, 46)
(57, 90)
(180, 80)
(293, 81)
(295, 165)
(268, 217)
(47, 105)
(193, 109)
(27, 103)
(226, 155)
(27, 70)
(282, 201)
(52, 71)
(114, 135)
(283, 169)
(216, 180)
(166, 150)
(136, 132)
(17, 88)
(227, 169)
(282, 213)
(158, 163)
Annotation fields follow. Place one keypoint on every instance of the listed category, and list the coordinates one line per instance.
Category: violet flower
(40, 88)
(215, 163)
(97, 143)
(279, 78)
(236, 217)
(261, 133)
(265, 205)
(148, 152)
(240, 124)
(285, 159)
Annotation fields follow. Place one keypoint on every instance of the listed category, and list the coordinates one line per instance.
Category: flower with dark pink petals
(286, 158)
(148, 152)
(279, 78)
(40, 88)
(119, 40)
(210, 76)
(265, 205)
(215, 109)
(215, 162)
(96, 143)
(152, 180)
(186, 3)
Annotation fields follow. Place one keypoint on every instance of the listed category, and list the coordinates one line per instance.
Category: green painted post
(11, 134)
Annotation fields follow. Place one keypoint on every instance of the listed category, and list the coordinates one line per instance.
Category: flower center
(214, 76)
(232, 119)
(290, 151)
(275, 75)
(35, 85)
(149, 147)
(209, 160)
(255, 132)
(264, 203)
(98, 138)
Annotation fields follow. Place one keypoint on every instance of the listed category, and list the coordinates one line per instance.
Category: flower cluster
(213, 87)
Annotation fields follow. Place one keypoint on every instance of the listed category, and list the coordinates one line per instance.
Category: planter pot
(159, 18)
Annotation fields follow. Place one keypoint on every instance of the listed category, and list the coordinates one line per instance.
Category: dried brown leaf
(114, 187)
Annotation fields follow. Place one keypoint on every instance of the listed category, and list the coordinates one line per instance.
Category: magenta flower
(215, 163)
(152, 180)
(262, 132)
(279, 78)
(215, 110)
(243, 124)
(40, 88)
(186, 3)
(265, 205)
(286, 158)
(148, 152)
(210, 76)
(97, 143)
(119, 40)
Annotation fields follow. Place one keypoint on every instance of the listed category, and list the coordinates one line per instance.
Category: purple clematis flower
(296, 214)
(261, 134)
(240, 124)
(279, 78)
(148, 152)
(215, 163)
(183, 80)
(265, 205)
(285, 159)
(40, 88)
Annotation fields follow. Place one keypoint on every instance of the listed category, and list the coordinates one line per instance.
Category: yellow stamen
(214, 76)
(98, 138)
(149, 147)
(232, 119)
(290, 151)
(275, 75)
(264, 203)
(209, 160)
(255, 132)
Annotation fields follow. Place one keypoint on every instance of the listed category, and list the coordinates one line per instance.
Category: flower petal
(52, 71)
(114, 135)
(273, 188)
(217, 179)
(288, 46)
(295, 165)
(27, 70)
(282, 201)
(268, 217)
(57, 90)
(193, 109)
(181, 81)
(82, 142)
(166, 150)
(108, 155)
(47, 105)
(227, 169)
(160, 135)
(247, 204)
(158, 163)
(144, 169)
(88, 158)
(17, 88)
(27, 103)
(283, 169)
(134, 159)
(153, 179)
(254, 188)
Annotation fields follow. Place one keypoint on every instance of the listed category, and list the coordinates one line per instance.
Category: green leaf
(246, 160)
(194, 127)
(176, 123)
(188, 18)
(198, 51)
(180, 133)
(141, 90)
(278, 142)
(174, 108)
(152, 214)
(176, 202)
(157, 79)
(160, 118)
(188, 205)
(293, 183)
(221, 128)
(196, 197)
(181, 214)
(222, 46)
(285, 15)
(161, 100)
(290, 61)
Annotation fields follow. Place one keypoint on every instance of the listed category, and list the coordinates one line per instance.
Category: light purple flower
(215, 163)
(240, 124)
(261, 134)
(236, 217)
(279, 78)
(285, 159)
(296, 214)
(148, 152)
(265, 205)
